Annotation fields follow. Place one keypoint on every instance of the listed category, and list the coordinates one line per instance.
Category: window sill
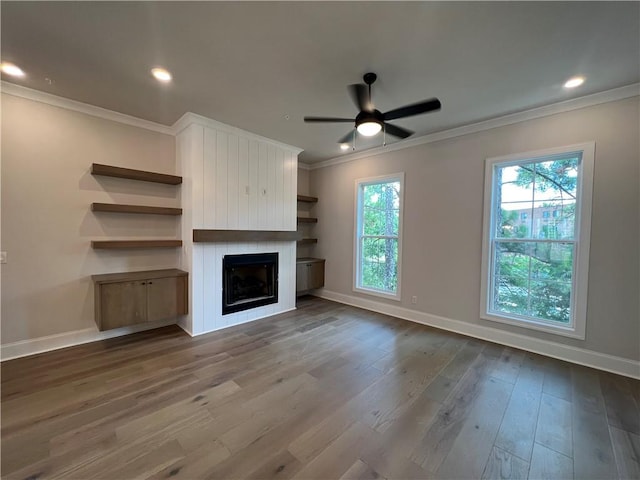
(571, 332)
(376, 293)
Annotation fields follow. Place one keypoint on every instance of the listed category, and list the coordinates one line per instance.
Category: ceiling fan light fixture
(369, 128)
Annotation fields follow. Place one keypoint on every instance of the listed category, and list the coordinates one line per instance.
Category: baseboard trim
(24, 348)
(580, 356)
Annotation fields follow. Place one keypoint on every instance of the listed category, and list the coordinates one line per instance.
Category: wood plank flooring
(325, 392)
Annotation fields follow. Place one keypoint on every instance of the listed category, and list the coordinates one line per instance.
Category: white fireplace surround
(233, 180)
(206, 275)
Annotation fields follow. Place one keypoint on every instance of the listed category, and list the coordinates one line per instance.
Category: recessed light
(344, 146)
(574, 82)
(11, 69)
(161, 74)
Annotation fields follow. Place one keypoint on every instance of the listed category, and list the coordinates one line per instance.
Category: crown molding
(62, 102)
(565, 106)
(194, 119)
(303, 166)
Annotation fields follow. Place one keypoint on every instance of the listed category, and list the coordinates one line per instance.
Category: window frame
(579, 286)
(392, 177)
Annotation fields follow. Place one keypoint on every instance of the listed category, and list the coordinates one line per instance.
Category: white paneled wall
(248, 184)
(233, 180)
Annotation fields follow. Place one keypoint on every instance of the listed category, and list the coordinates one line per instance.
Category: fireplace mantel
(203, 236)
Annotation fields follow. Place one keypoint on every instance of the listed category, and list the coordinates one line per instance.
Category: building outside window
(534, 272)
(378, 235)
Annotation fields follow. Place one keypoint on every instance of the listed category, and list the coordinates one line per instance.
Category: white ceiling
(250, 64)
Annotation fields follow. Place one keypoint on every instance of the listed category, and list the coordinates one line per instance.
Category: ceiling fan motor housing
(366, 117)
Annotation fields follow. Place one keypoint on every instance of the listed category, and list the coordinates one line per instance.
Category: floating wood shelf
(307, 199)
(142, 175)
(307, 220)
(144, 209)
(244, 235)
(307, 241)
(119, 244)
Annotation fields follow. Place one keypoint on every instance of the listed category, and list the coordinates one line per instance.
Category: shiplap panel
(243, 183)
(198, 296)
(222, 181)
(263, 219)
(289, 191)
(279, 201)
(209, 280)
(254, 187)
(233, 190)
(209, 176)
(195, 136)
(272, 219)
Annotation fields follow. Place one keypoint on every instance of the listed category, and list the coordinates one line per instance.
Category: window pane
(554, 219)
(381, 206)
(533, 279)
(379, 266)
(515, 200)
(511, 295)
(552, 261)
(556, 179)
(514, 220)
(551, 301)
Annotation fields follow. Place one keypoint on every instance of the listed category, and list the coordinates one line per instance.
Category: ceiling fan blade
(397, 131)
(327, 120)
(415, 109)
(348, 138)
(360, 95)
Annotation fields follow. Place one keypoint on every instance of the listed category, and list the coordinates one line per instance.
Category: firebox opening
(249, 281)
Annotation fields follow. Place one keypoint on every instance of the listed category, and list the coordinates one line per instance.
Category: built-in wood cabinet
(309, 274)
(124, 299)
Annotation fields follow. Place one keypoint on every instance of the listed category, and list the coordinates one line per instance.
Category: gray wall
(47, 224)
(443, 220)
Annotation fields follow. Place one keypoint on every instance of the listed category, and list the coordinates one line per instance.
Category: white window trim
(392, 177)
(583, 227)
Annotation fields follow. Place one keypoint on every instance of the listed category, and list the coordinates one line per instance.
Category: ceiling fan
(370, 121)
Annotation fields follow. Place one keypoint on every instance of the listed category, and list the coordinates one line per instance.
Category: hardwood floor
(325, 392)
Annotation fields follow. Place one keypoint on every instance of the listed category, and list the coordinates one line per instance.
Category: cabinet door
(166, 298)
(122, 304)
(316, 275)
(301, 277)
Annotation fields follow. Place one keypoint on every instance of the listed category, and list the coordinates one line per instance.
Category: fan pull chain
(354, 139)
(384, 135)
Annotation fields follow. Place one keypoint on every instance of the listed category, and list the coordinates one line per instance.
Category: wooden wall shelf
(307, 241)
(307, 199)
(120, 244)
(307, 220)
(244, 235)
(142, 175)
(144, 209)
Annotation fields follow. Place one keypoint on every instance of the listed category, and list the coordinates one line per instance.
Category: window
(378, 235)
(534, 274)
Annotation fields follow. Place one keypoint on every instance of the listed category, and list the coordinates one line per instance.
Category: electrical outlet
(3, 257)
(414, 300)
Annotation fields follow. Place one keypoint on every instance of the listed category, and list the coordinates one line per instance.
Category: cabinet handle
(150, 283)
(143, 283)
